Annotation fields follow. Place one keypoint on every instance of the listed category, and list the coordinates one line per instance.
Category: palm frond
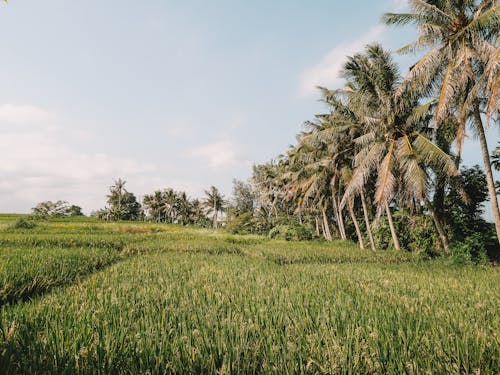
(430, 154)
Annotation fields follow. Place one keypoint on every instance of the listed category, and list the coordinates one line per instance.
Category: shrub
(22, 223)
(423, 236)
(291, 233)
(471, 250)
(415, 233)
(240, 224)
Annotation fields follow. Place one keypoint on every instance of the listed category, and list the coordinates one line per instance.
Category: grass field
(91, 297)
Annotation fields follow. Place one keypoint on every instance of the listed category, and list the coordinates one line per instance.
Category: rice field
(166, 299)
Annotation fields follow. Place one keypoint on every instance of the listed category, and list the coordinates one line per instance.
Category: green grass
(27, 272)
(200, 301)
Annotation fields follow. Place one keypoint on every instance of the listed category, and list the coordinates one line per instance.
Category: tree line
(382, 165)
(163, 206)
(388, 149)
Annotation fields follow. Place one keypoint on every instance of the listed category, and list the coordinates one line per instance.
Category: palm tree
(323, 172)
(214, 203)
(154, 205)
(346, 127)
(183, 208)
(461, 66)
(392, 144)
(196, 213)
(169, 197)
(116, 192)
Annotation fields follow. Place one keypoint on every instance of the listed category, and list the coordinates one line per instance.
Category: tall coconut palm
(169, 199)
(461, 66)
(196, 213)
(154, 205)
(393, 145)
(214, 203)
(346, 127)
(332, 152)
(183, 208)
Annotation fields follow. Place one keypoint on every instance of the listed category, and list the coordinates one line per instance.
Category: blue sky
(182, 94)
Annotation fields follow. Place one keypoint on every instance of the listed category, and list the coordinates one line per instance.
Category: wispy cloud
(220, 154)
(38, 163)
(326, 72)
(399, 5)
(11, 114)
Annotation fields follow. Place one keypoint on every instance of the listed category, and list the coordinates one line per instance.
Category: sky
(182, 94)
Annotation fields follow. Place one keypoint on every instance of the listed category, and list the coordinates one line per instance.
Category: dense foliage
(56, 209)
(379, 167)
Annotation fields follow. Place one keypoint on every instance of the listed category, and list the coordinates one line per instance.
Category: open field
(86, 297)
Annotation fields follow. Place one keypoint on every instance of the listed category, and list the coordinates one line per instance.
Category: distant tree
(153, 204)
(56, 209)
(214, 203)
(75, 210)
(465, 202)
(198, 214)
(243, 198)
(240, 210)
(102, 214)
(182, 208)
(495, 163)
(123, 204)
(495, 158)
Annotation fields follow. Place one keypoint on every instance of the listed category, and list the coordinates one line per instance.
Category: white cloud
(326, 73)
(39, 162)
(399, 5)
(11, 114)
(220, 154)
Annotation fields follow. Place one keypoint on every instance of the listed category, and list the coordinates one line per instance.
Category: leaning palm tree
(214, 203)
(345, 128)
(461, 66)
(327, 156)
(393, 145)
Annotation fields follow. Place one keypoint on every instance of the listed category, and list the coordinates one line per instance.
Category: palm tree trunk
(341, 218)
(439, 226)
(317, 226)
(338, 215)
(487, 167)
(328, 234)
(395, 240)
(367, 221)
(439, 194)
(341, 224)
(356, 224)
(215, 213)
(323, 229)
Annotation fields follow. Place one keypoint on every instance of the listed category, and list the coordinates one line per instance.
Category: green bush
(415, 233)
(22, 223)
(240, 224)
(471, 250)
(291, 233)
(382, 234)
(423, 236)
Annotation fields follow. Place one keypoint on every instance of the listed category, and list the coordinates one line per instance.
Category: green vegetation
(188, 300)
(26, 272)
(283, 288)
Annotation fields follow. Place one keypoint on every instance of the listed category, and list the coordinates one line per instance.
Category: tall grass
(203, 301)
(192, 313)
(26, 272)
